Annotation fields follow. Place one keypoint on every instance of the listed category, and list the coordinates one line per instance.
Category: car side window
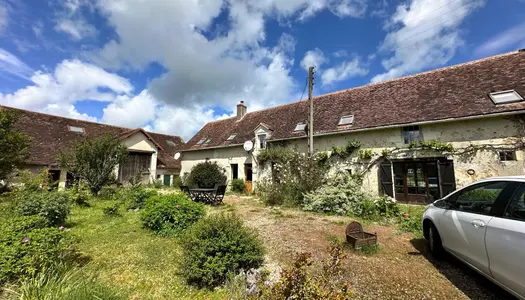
(516, 208)
(479, 199)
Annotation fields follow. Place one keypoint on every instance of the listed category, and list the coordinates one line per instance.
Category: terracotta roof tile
(452, 92)
(50, 134)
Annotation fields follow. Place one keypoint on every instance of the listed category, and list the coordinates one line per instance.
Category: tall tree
(94, 160)
(14, 144)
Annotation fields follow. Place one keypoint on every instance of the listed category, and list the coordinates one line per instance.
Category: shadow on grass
(471, 283)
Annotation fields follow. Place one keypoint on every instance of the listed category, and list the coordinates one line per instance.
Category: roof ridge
(78, 120)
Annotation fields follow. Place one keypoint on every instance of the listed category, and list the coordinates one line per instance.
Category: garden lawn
(129, 257)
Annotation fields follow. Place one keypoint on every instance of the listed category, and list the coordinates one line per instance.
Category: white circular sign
(248, 145)
(177, 155)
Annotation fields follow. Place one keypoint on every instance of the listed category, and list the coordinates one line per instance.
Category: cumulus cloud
(131, 111)
(71, 21)
(71, 81)
(423, 34)
(343, 71)
(315, 58)
(11, 65)
(76, 29)
(512, 38)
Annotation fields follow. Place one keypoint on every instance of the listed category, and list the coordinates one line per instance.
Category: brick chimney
(241, 110)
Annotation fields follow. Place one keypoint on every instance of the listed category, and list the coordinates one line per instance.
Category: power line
(304, 89)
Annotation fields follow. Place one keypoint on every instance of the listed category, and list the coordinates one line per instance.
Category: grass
(131, 258)
(413, 222)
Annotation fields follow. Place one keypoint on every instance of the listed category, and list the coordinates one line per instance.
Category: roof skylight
(300, 127)
(346, 120)
(505, 97)
(76, 129)
(171, 143)
(201, 141)
(231, 137)
(207, 141)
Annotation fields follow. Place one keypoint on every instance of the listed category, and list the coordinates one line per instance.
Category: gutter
(448, 120)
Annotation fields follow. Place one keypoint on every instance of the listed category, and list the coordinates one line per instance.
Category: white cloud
(513, 37)
(68, 111)
(76, 29)
(314, 58)
(424, 34)
(71, 81)
(11, 65)
(131, 112)
(343, 71)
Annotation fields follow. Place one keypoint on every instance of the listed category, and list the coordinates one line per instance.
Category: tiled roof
(50, 134)
(451, 92)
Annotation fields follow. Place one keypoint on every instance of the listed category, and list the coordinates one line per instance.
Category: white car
(483, 225)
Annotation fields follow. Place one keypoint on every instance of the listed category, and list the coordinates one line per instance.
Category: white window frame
(350, 120)
(262, 142)
(517, 97)
(300, 127)
(76, 129)
(231, 137)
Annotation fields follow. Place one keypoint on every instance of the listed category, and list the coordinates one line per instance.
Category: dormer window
(505, 97)
(171, 143)
(76, 129)
(300, 127)
(201, 141)
(262, 141)
(346, 120)
(231, 137)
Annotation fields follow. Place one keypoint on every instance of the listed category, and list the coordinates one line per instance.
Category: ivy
(365, 154)
(346, 151)
(276, 154)
(432, 145)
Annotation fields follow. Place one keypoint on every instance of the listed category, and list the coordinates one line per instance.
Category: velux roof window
(231, 137)
(300, 127)
(171, 143)
(346, 120)
(207, 141)
(505, 97)
(201, 141)
(76, 129)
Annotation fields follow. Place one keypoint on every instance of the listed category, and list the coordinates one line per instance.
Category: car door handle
(477, 223)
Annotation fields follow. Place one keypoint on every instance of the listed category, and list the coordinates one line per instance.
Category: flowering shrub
(54, 207)
(293, 175)
(218, 245)
(27, 246)
(170, 214)
(343, 195)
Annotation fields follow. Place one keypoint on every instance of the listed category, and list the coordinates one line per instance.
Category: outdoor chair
(219, 194)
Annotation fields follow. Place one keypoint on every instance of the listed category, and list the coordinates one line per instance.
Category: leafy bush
(68, 284)
(238, 186)
(108, 192)
(79, 196)
(299, 282)
(344, 195)
(217, 245)
(52, 206)
(206, 175)
(169, 214)
(133, 197)
(112, 210)
(337, 196)
(27, 246)
(177, 181)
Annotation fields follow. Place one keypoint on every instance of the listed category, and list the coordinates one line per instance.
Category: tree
(94, 160)
(206, 175)
(14, 144)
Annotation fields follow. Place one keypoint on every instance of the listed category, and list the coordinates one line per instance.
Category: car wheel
(434, 241)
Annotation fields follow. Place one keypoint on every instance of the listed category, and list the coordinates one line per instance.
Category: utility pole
(310, 111)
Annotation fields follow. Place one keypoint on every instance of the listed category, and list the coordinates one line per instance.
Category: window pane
(479, 199)
(516, 208)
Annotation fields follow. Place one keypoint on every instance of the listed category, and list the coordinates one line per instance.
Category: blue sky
(172, 65)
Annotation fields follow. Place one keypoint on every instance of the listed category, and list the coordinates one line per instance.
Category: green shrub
(27, 246)
(216, 246)
(79, 196)
(108, 192)
(52, 206)
(238, 186)
(177, 181)
(170, 214)
(206, 175)
(336, 197)
(112, 210)
(133, 197)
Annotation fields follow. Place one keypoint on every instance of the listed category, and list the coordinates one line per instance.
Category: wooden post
(310, 111)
